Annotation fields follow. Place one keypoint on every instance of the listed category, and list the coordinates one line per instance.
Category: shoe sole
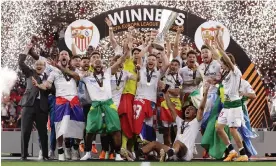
(162, 155)
(125, 154)
(232, 159)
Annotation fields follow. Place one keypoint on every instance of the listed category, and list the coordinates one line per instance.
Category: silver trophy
(165, 24)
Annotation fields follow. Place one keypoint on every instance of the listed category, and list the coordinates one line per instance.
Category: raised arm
(168, 46)
(170, 105)
(219, 45)
(200, 110)
(27, 71)
(176, 42)
(111, 34)
(165, 63)
(127, 47)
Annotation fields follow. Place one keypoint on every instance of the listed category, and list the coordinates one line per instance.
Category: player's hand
(108, 22)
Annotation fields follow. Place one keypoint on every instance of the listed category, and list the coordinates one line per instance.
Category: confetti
(251, 24)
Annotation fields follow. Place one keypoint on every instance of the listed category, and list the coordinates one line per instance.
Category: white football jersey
(118, 90)
(147, 90)
(95, 92)
(188, 75)
(63, 87)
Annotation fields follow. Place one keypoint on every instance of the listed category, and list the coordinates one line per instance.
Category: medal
(118, 81)
(149, 76)
(100, 82)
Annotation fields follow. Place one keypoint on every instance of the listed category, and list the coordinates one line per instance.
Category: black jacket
(31, 92)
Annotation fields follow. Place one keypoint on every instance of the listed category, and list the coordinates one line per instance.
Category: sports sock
(242, 151)
(60, 150)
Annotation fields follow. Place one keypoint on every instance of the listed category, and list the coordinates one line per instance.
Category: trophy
(165, 25)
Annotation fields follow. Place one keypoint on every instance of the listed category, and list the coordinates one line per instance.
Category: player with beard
(210, 71)
(190, 77)
(75, 63)
(85, 101)
(69, 118)
(94, 56)
(146, 94)
(103, 116)
(173, 79)
(188, 126)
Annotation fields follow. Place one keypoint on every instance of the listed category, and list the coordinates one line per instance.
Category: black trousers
(29, 116)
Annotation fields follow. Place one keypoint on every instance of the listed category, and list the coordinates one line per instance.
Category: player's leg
(235, 119)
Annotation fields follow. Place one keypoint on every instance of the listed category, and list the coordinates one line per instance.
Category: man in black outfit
(35, 105)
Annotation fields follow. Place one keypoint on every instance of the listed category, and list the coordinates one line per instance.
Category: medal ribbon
(66, 76)
(206, 69)
(118, 82)
(100, 82)
(149, 75)
(176, 80)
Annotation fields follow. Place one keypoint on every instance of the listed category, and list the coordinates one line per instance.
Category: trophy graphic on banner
(165, 24)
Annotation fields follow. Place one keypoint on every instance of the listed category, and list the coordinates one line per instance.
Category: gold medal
(117, 87)
(102, 88)
(148, 83)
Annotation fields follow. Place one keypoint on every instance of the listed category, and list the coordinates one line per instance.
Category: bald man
(35, 105)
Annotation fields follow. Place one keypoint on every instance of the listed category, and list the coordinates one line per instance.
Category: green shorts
(103, 117)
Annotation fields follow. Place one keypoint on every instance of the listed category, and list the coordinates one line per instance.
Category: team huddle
(139, 90)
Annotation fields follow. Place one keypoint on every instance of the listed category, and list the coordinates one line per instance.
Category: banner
(144, 16)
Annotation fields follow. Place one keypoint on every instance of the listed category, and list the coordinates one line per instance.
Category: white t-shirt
(117, 92)
(63, 87)
(95, 92)
(48, 68)
(189, 135)
(187, 75)
(171, 80)
(213, 71)
(147, 91)
(231, 84)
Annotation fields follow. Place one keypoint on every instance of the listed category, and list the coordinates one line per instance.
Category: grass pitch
(101, 163)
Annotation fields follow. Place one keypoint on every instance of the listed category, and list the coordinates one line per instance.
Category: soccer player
(69, 118)
(210, 71)
(187, 130)
(146, 94)
(231, 114)
(103, 116)
(190, 77)
(86, 101)
(173, 79)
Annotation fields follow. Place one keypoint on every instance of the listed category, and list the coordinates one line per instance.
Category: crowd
(127, 94)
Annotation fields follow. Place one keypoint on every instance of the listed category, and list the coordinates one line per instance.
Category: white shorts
(168, 124)
(232, 117)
